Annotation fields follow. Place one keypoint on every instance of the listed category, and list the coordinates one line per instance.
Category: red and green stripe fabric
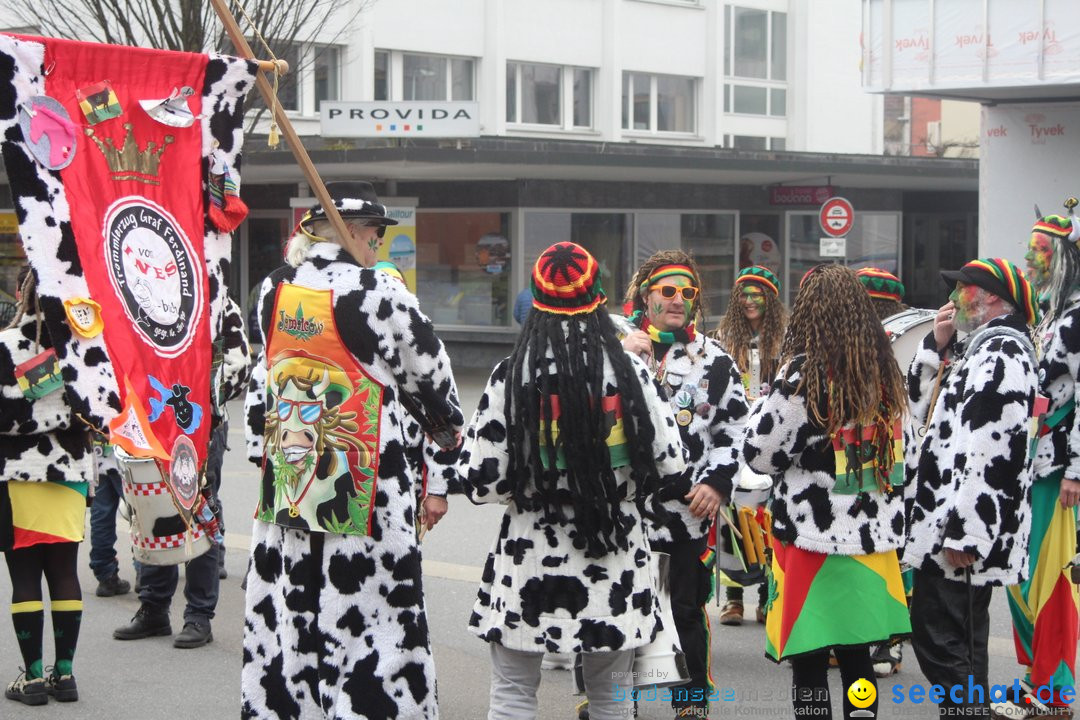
(618, 449)
(818, 601)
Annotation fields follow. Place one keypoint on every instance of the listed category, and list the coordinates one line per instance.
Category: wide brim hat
(1002, 278)
(354, 200)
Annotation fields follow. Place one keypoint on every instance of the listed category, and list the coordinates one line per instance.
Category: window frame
(770, 83)
(566, 98)
(304, 67)
(395, 75)
(626, 120)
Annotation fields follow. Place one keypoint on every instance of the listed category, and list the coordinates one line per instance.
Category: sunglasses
(309, 412)
(668, 291)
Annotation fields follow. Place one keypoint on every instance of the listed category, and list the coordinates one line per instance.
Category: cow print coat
(701, 378)
(968, 481)
(1059, 367)
(783, 441)
(39, 439)
(336, 627)
(538, 591)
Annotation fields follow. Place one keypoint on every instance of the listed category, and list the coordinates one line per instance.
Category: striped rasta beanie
(881, 283)
(1001, 277)
(1055, 226)
(566, 281)
(760, 275)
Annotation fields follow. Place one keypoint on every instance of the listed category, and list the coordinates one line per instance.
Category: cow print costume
(335, 624)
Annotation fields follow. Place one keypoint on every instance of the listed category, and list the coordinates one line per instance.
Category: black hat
(354, 199)
(1002, 278)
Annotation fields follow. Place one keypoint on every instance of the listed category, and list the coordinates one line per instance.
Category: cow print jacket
(701, 379)
(39, 439)
(783, 441)
(538, 590)
(968, 481)
(1059, 368)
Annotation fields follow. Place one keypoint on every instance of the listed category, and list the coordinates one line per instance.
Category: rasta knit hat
(1002, 278)
(761, 276)
(566, 281)
(1056, 226)
(881, 284)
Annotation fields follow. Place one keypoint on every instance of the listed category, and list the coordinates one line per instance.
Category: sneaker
(194, 635)
(61, 687)
(28, 691)
(112, 586)
(149, 621)
(886, 658)
(732, 613)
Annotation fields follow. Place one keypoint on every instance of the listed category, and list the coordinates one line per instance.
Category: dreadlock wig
(848, 374)
(639, 285)
(571, 332)
(736, 334)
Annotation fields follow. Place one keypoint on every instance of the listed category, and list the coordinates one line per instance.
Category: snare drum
(159, 535)
(906, 331)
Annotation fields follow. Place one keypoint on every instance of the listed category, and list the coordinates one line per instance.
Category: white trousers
(515, 678)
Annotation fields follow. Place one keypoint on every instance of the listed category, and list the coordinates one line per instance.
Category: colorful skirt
(47, 512)
(819, 601)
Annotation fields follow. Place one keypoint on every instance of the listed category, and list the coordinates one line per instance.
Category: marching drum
(661, 663)
(906, 331)
(159, 535)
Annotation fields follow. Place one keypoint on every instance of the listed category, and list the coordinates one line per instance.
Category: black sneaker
(112, 586)
(194, 635)
(61, 687)
(27, 691)
(149, 621)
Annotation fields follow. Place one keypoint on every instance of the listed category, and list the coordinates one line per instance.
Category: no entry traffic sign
(836, 217)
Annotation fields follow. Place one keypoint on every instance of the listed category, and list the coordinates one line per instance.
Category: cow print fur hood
(969, 479)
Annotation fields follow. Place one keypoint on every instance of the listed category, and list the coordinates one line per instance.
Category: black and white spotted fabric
(784, 442)
(1059, 367)
(235, 357)
(969, 479)
(335, 625)
(702, 379)
(539, 591)
(39, 439)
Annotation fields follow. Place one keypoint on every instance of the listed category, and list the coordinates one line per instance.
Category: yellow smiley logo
(862, 693)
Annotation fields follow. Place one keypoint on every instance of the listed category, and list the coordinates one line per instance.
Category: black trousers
(691, 585)
(810, 696)
(947, 617)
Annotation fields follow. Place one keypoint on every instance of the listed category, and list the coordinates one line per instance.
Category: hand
(1070, 493)
(432, 510)
(943, 325)
(704, 501)
(639, 344)
(959, 559)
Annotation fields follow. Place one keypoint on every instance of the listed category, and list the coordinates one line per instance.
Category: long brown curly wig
(634, 299)
(735, 333)
(849, 375)
(886, 307)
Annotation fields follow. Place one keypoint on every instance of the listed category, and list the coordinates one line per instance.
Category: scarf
(684, 335)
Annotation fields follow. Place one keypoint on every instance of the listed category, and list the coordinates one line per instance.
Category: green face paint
(1039, 255)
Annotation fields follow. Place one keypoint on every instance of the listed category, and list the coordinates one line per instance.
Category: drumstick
(722, 514)
(934, 396)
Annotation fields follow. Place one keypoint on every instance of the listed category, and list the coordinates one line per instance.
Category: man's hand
(959, 559)
(1070, 493)
(639, 344)
(704, 501)
(943, 325)
(432, 511)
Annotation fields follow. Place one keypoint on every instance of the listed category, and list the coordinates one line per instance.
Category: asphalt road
(149, 678)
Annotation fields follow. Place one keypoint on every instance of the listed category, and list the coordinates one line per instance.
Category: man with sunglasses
(706, 395)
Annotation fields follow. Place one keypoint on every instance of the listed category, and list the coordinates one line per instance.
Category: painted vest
(321, 440)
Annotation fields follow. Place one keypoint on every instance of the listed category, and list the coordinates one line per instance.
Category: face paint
(668, 314)
(373, 244)
(1039, 255)
(970, 307)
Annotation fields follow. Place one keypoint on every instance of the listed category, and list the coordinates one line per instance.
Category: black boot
(149, 621)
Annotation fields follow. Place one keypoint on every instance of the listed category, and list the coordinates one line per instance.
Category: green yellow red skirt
(819, 601)
(46, 512)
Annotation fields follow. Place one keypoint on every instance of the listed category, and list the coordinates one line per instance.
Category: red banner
(135, 193)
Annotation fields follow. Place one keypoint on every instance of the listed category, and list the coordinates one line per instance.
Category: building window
(325, 75)
(659, 103)
(548, 95)
(755, 62)
(412, 76)
(314, 77)
(753, 142)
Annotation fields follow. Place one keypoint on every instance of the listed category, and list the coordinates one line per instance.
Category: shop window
(463, 267)
(659, 103)
(414, 76)
(548, 95)
(608, 236)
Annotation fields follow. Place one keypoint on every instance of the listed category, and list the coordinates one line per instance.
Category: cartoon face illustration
(185, 413)
(862, 693)
(186, 475)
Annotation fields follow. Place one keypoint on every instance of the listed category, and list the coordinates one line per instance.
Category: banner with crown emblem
(109, 186)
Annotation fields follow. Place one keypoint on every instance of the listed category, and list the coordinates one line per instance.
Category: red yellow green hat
(1002, 278)
(566, 281)
(881, 284)
(759, 275)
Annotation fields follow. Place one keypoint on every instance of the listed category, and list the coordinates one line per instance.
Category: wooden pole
(297, 147)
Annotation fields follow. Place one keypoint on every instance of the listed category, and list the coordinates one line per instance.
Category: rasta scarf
(684, 335)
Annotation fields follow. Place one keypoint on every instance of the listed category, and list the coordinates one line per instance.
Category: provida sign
(400, 119)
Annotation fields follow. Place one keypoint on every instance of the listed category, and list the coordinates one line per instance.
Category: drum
(159, 535)
(906, 331)
(661, 663)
